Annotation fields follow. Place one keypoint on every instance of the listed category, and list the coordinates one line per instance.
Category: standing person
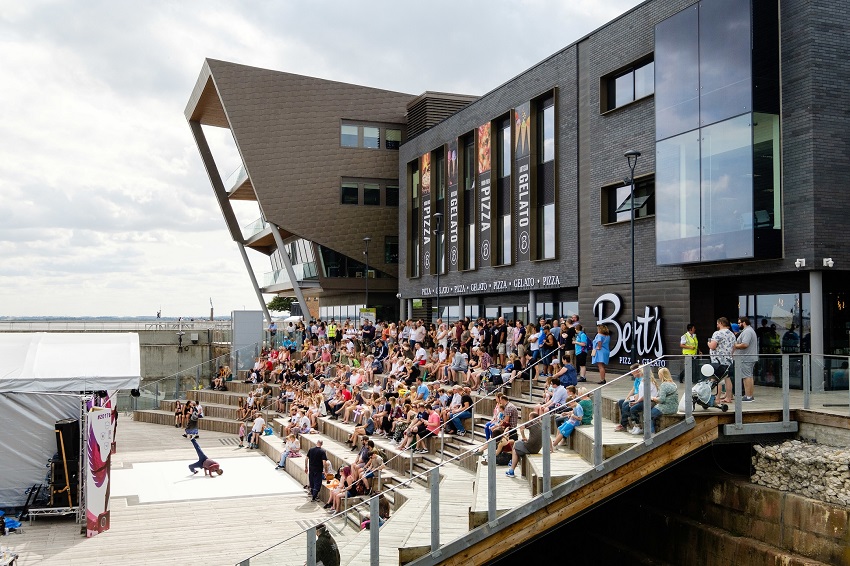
(690, 346)
(314, 467)
(192, 424)
(582, 346)
(327, 552)
(209, 466)
(746, 356)
(720, 347)
(272, 333)
(601, 350)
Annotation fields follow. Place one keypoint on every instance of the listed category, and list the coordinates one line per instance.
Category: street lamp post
(366, 240)
(632, 157)
(438, 230)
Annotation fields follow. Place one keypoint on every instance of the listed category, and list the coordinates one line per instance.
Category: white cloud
(107, 209)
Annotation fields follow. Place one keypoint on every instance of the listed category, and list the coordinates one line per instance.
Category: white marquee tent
(44, 378)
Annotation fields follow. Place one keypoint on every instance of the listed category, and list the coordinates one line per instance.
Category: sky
(105, 207)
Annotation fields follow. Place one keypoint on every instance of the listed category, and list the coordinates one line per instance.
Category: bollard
(311, 546)
(435, 508)
(374, 531)
(546, 424)
(597, 428)
(491, 480)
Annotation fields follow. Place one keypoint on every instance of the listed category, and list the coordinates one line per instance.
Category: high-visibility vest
(332, 331)
(691, 344)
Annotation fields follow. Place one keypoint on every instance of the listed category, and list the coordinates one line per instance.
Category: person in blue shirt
(582, 346)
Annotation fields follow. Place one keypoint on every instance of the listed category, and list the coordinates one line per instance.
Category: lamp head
(632, 155)
(367, 239)
(438, 221)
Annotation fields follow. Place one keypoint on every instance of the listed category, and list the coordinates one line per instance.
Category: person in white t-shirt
(256, 431)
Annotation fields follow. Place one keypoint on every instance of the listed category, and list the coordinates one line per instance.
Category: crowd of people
(411, 381)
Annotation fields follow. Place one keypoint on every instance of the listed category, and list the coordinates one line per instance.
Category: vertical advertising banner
(454, 206)
(522, 158)
(425, 175)
(485, 194)
(99, 442)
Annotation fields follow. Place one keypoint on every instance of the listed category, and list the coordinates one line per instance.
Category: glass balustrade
(235, 179)
(177, 385)
(254, 228)
(303, 271)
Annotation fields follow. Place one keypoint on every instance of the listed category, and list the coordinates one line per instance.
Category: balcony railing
(254, 228)
(303, 271)
(235, 179)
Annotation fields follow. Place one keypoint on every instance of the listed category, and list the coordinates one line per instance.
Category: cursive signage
(606, 310)
(425, 175)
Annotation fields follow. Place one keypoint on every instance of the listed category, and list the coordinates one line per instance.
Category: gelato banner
(485, 194)
(522, 178)
(99, 435)
(453, 228)
(425, 175)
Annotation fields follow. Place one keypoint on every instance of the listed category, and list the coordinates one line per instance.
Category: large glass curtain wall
(546, 179)
(718, 181)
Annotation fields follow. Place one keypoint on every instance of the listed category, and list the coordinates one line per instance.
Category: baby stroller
(704, 392)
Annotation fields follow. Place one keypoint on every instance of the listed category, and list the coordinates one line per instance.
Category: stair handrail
(434, 478)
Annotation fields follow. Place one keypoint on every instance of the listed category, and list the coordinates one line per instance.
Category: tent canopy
(63, 361)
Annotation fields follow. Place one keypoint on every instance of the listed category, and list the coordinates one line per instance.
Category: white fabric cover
(28, 440)
(66, 361)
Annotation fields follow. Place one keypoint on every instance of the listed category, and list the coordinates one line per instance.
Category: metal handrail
(562, 489)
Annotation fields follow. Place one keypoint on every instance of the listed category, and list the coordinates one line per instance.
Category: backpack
(570, 377)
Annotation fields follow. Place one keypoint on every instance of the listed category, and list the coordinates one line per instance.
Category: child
(242, 435)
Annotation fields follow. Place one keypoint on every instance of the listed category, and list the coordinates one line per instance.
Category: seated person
(574, 420)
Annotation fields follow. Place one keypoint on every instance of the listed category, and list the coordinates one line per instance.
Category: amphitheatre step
(228, 426)
(216, 410)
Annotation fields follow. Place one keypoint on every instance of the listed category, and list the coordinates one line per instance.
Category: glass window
(491, 312)
(391, 249)
(472, 312)
(371, 137)
(392, 195)
(545, 310)
(619, 202)
(727, 191)
(546, 227)
(505, 149)
(393, 140)
(677, 180)
(568, 308)
(725, 77)
(677, 74)
(469, 249)
(624, 89)
(767, 193)
(349, 193)
(348, 136)
(371, 194)
(645, 80)
(505, 247)
(546, 131)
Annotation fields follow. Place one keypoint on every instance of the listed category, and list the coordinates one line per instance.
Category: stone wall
(811, 470)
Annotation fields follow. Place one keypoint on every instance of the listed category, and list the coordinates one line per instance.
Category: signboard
(425, 174)
(367, 314)
(453, 227)
(522, 160)
(485, 196)
(99, 443)
(496, 286)
(648, 338)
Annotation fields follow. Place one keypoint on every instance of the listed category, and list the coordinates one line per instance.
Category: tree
(279, 303)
